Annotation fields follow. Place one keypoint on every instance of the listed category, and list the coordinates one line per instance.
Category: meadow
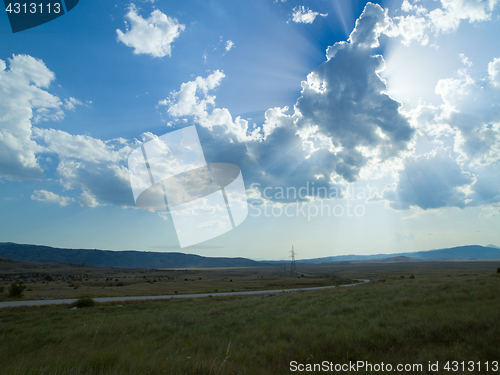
(416, 313)
(59, 280)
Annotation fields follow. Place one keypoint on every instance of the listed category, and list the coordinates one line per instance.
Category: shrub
(412, 276)
(498, 270)
(16, 290)
(83, 302)
(2, 289)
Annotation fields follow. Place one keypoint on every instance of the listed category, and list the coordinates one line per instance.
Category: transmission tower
(293, 266)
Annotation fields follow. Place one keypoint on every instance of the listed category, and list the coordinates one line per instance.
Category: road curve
(139, 298)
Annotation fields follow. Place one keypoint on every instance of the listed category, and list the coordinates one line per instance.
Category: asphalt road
(139, 298)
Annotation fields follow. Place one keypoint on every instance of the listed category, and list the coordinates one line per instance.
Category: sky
(359, 127)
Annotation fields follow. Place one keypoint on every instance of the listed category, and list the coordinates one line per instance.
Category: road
(139, 298)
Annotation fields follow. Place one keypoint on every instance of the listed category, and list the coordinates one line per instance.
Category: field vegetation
(59, 280)
(446, 312)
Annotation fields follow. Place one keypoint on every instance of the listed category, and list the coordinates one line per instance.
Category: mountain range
(469, 252)
(122, 259)
(143, 259)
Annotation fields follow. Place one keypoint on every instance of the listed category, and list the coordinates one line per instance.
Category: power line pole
(293, 266)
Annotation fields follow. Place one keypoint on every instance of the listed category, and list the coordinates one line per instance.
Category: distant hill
(123, 259)
(142, 259)
(470, 252)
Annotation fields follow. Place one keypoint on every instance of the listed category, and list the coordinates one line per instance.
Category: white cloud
(79, 147)
(186, 101)
(467, 173)
(47, 196)
(422, 24)
(193, 100)
(71, 103)
(409, 28)
(453, 11)
(369, 26)
(494, 72)
(471, 108)
(23, 102)
(92, 165)
(302, 14)
(229, 45)
(465, 60)
(88, 200)
(153, 36)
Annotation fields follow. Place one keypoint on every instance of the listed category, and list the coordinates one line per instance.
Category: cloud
(71, 103)
(94, 166)
(229, 45)
(453, 11)
(432, 180)
(422, 24)
(187, 102)
(24, 101)
(409, 28)
(87, 199)
(153, 36)
(342, 127)
(193, 100)
(47, 196)
(344, 102)
(468, 120)
(81, 147)
(494, 72)
(302, 14)
(471, 108)
(486, 190)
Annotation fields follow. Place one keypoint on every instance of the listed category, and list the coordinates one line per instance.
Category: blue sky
(390, 108)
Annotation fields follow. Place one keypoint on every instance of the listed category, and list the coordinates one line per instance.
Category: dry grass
(445, 315)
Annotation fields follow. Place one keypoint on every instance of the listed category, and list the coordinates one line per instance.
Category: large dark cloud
(344, 100)
(342, 122)
(430, 181)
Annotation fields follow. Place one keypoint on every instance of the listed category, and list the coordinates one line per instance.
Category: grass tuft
(83, 302)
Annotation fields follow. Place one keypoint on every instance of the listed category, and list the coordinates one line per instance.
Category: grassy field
(446, 312)
(55, 280)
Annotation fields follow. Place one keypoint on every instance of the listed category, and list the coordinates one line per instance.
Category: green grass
(431, 318)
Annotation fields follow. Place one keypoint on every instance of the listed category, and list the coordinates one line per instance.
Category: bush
(83, 302)
(498, 270)
(16, 290)
(2, 289)
(412, 276)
